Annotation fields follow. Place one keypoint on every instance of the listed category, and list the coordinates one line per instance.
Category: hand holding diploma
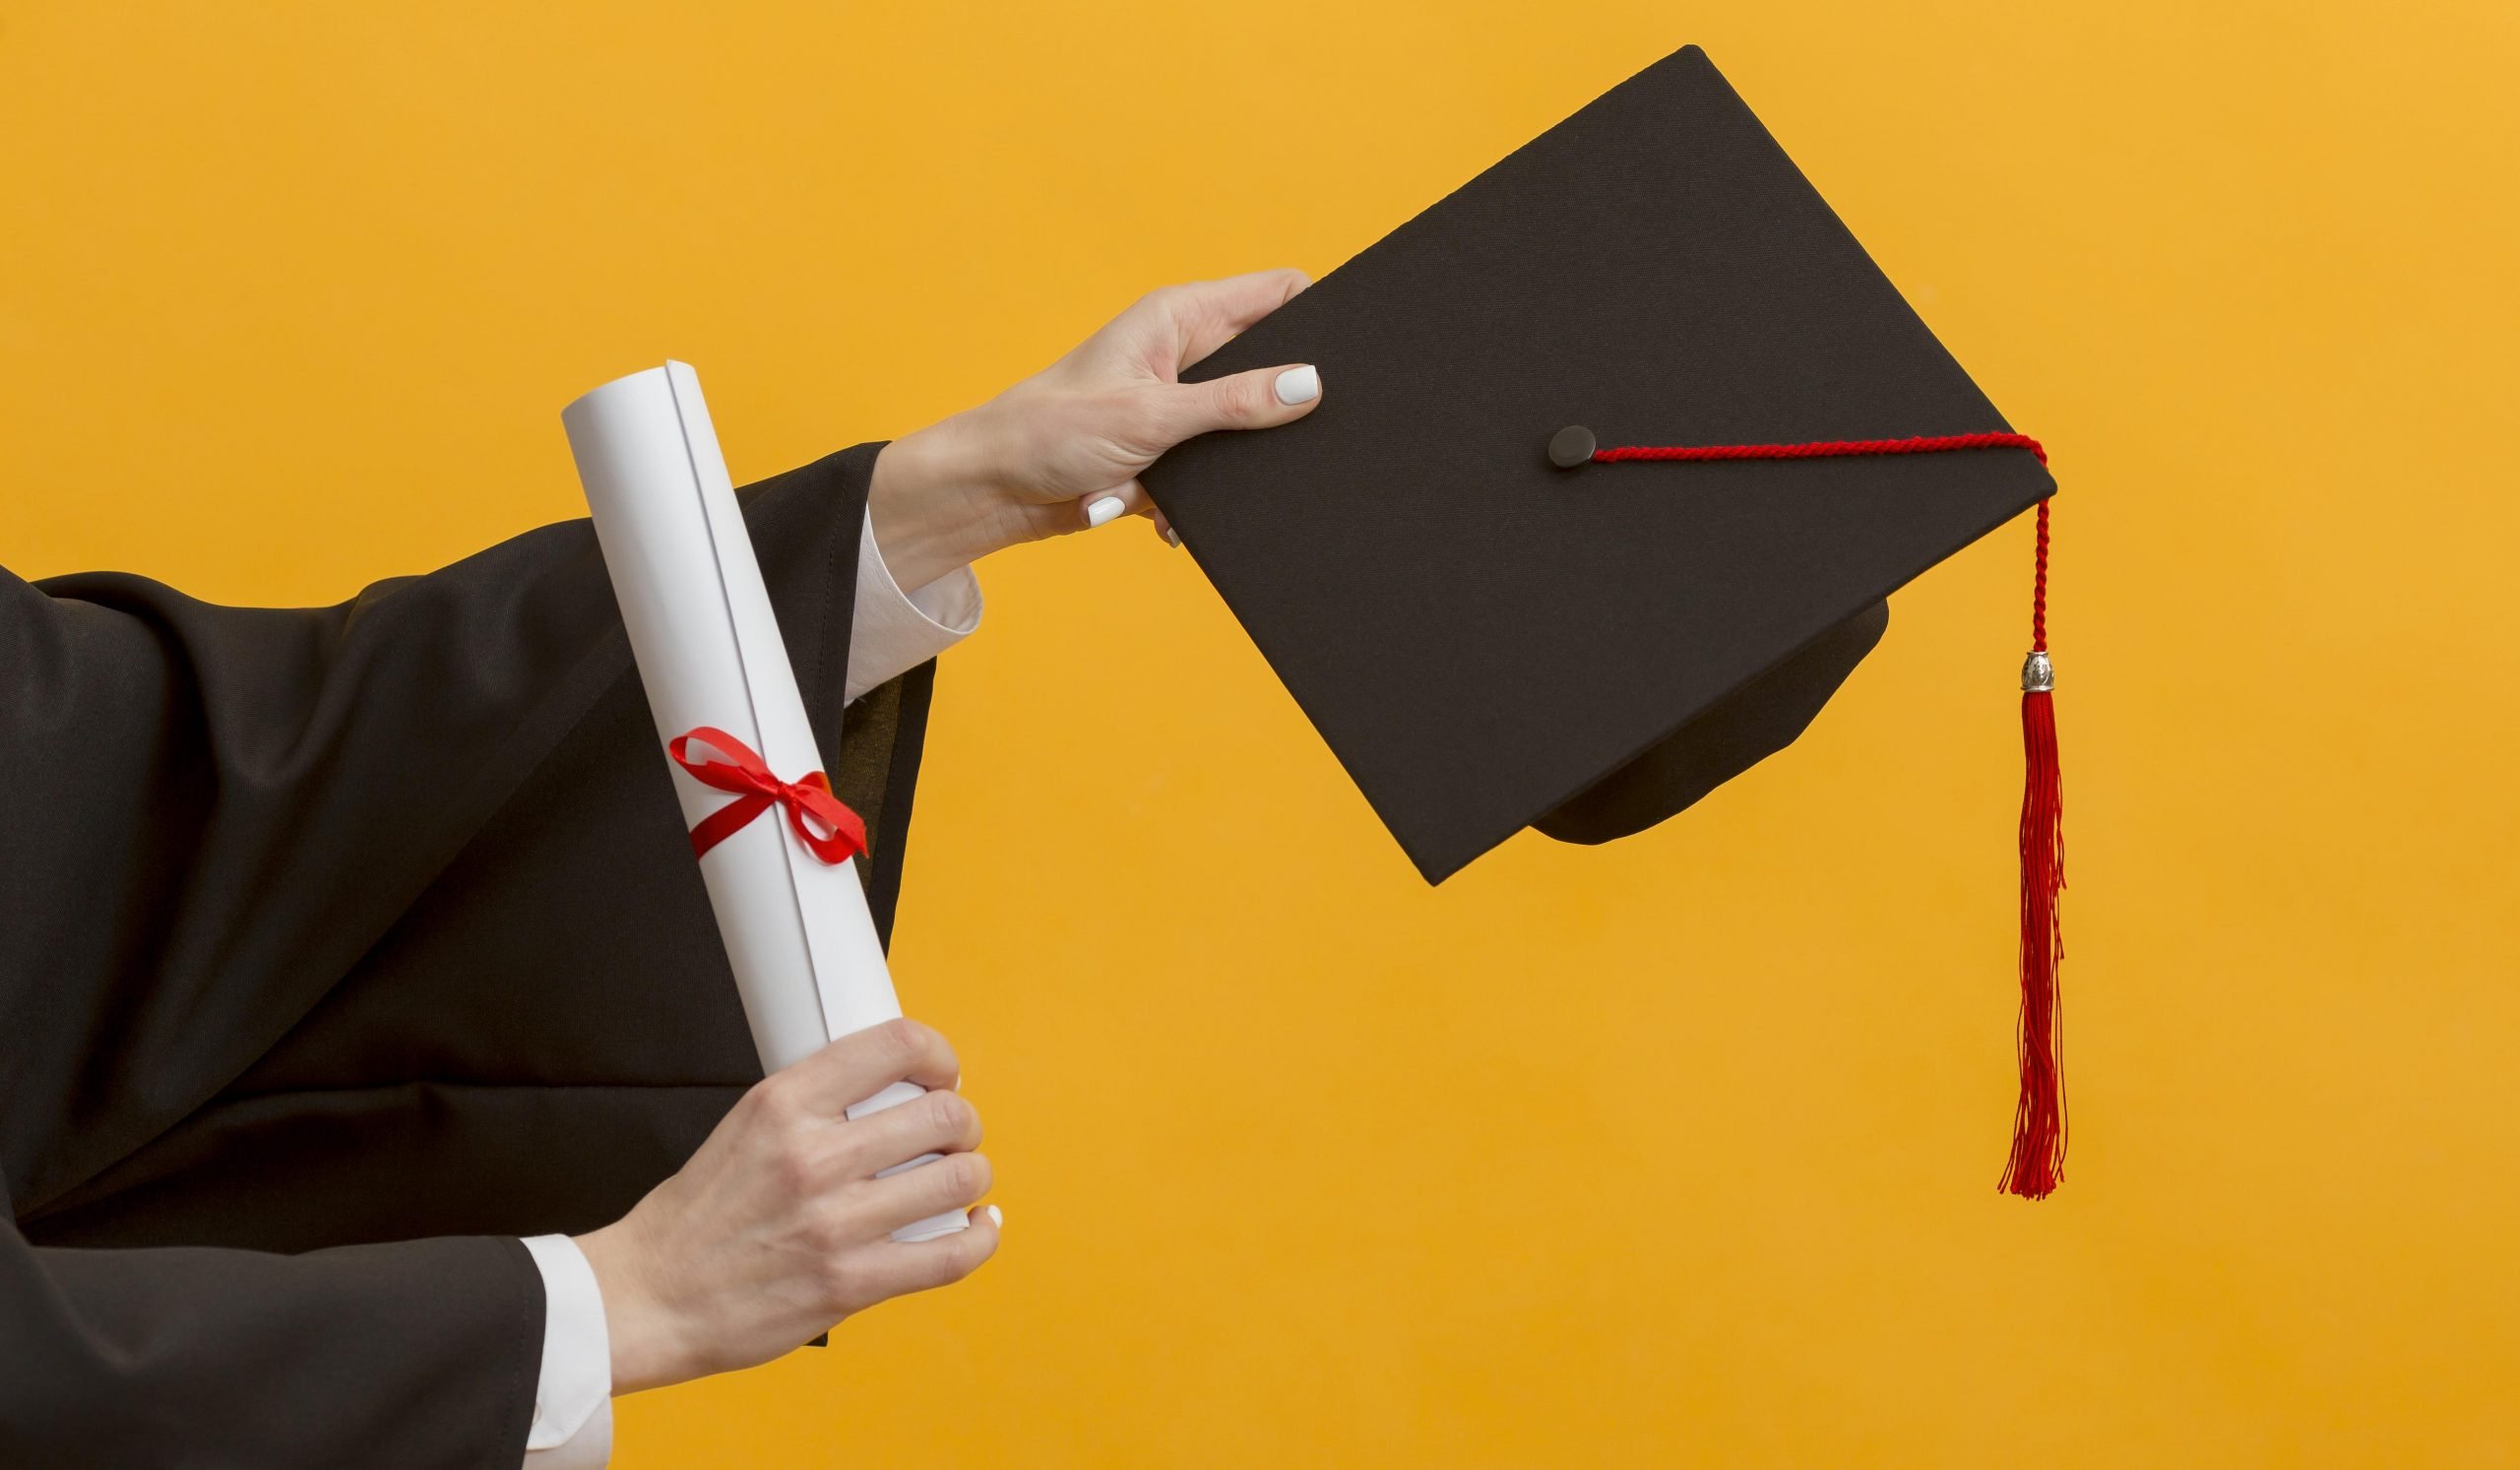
(784, 1223)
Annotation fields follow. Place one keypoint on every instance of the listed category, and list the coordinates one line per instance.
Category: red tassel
(2037, 1163)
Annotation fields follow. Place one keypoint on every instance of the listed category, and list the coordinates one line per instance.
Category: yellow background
(1677, 1151)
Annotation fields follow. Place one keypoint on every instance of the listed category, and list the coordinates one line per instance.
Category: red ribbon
(822, 821)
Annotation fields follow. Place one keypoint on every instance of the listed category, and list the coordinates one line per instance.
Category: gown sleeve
(253, 859)
(420, 1355)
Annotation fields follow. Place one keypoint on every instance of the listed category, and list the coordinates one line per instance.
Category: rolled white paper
(798, 937)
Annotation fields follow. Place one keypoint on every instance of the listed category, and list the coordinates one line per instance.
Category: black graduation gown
(370, 932)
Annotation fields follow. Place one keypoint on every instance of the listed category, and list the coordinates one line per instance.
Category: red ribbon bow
(822, 821)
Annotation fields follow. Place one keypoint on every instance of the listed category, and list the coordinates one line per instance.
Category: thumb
(1262, 398)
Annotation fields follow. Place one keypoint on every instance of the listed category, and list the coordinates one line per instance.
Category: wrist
(647, 1350)
(935, 504)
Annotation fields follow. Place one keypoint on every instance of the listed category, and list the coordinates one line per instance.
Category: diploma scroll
(799, 935)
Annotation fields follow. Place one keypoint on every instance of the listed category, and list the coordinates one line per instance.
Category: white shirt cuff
(573, 1401)
(895, 631)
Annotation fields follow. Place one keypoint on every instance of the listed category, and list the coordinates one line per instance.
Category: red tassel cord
(2037, 1160)
(2037, 1163)
(1818, 449)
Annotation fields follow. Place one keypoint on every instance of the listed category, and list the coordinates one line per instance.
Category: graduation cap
(1627, 443)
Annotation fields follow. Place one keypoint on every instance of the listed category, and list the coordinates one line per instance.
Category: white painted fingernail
(1101, 511)
(1298, 385)
(1172, 537)
(996, 1216)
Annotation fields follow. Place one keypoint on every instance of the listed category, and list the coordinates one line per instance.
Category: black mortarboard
(1489, 638)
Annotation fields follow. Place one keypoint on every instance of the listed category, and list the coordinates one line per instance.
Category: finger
(1102, 507)
(864, 1063)
(936, 1122)
(927, 1264)
(1262, 398)
(1208, 314)
(955, 1182)
(1163, 528)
